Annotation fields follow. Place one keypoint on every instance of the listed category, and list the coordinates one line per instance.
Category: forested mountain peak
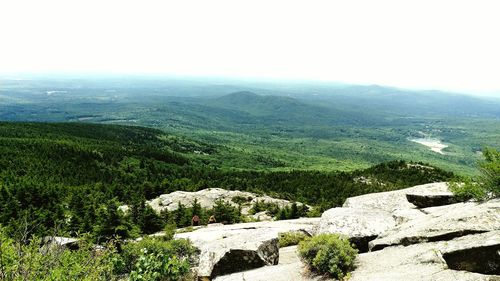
(247, 98)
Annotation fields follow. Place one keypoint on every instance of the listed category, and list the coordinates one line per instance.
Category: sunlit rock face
(418, 233)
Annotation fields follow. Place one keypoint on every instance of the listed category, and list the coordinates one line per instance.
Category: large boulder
(359, 225)
(443, 223)
(364, 218)
(444, 260)
(227, 249)
(251, 249)
(436, 194)
(398, 199)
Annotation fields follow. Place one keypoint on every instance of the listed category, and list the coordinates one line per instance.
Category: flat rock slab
(227, 249)
(284, 272)
(359, 225)
(289, 255)
(425, 261)
(424, 201)
(477, 253)
(397, 199)
(443, 223)
(273, 228)
(431, 196)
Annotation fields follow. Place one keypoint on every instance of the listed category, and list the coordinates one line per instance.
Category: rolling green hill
(279, 125)
(72, 176)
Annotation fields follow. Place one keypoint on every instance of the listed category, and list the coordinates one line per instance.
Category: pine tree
(196, 208)
(294, 212)
(111, 223)
(152, 221)
(180, 215)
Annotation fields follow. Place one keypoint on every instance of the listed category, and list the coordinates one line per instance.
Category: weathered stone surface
(359, 225)
(480, 253)
(207, 198)
(443, 223)
(458, 241)
(433, 195)
(57, 242)
(227, 249)
(248, 250)
(425, 261)
(424, 201)
(290, 268)
(405, 215)
(262, 216)
(397, 199)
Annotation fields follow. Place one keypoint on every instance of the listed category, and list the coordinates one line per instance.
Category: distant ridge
(241, 97)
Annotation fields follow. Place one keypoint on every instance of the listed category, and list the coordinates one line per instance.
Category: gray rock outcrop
(419, 233)
(443, 223)
(396, 200)
(364, 218)
(208, 197)
(227, 249)
(359, 225)
(431, 261)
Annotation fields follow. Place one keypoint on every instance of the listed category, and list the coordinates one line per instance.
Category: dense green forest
(73, 177)
(279, 125)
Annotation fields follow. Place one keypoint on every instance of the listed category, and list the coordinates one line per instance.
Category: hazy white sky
(443, 44)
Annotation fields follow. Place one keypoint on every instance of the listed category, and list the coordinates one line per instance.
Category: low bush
(291, 238)
(328, 254)
(158, 267)
(157, 259)
(466, 188)
(26, 261)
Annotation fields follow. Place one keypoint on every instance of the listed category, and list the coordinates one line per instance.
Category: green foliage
(291, 238)
(72, 176)
(156, 258)
(467, 189)
(490, 171)
(328, 254)
(260, 206)
(156, 267)
(240, 200)
(170, 230)
(485, 186)
(148, 259)
(225, 212)
(111, 222)
(25, 261)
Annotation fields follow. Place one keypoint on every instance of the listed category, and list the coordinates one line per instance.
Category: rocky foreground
(419, 233)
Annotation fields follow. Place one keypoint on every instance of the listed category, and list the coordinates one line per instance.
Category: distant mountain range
(301, 124)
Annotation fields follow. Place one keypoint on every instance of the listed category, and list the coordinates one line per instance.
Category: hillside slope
(278, 125)
(52, 172)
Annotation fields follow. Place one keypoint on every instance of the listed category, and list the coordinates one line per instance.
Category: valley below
(272, 125)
